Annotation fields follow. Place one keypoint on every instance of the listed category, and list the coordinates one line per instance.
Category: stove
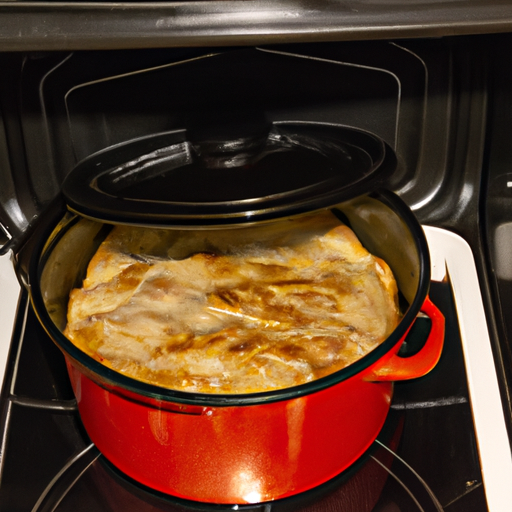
(78, 84)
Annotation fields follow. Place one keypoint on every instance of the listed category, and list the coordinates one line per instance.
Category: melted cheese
(235, 311)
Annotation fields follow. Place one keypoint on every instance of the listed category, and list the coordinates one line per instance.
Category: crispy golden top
(235, 311)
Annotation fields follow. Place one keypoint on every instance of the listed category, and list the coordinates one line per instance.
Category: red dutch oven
(247, 448)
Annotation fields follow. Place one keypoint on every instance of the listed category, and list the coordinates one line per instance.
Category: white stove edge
(9, 298)
(450, 254)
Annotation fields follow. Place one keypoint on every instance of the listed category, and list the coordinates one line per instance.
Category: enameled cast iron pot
(236, 449)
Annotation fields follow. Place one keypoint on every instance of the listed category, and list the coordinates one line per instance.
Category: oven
(431, 79)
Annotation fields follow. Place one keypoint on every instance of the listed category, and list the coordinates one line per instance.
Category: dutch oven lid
(203, 178)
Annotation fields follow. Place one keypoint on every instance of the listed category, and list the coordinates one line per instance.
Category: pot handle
(397, 368)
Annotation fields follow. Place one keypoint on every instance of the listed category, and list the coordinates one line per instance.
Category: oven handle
(396, 368)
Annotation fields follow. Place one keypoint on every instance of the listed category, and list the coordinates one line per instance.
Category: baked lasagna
(233, 311)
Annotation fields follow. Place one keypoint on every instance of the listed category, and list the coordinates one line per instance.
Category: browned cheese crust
(281, 307)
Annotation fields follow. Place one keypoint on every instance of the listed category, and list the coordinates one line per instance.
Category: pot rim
(108, 378)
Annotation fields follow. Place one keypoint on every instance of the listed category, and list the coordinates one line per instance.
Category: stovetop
(444, 446)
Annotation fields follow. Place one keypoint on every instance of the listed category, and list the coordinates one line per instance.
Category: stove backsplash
(57, 108)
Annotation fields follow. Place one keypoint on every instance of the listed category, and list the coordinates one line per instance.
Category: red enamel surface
(239, 454)
(391, 367)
